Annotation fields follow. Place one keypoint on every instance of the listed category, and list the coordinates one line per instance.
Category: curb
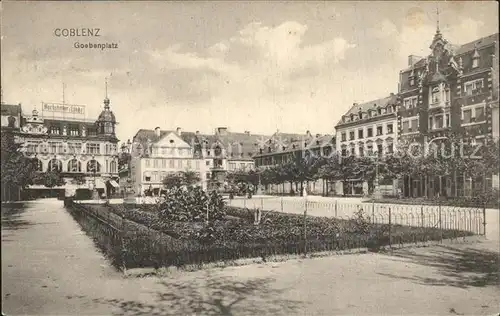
(168, 271)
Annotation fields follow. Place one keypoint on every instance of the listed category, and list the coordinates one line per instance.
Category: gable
(171, 140)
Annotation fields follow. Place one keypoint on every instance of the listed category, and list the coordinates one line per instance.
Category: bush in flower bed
(191, 204)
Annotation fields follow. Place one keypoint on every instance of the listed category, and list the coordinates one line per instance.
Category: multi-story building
(449, 91)
(282, 149)
(155, 154)
(212, 156)
(368, 129)
(83, 151)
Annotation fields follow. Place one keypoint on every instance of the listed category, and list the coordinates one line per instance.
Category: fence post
(484, 219)
(440, 223)
(373, 210)
(390, 228)
(336, 208)
(305, 229)
(207, 214)
(122, 239)
(422, 215)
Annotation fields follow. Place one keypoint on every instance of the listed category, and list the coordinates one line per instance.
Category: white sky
(257, 66)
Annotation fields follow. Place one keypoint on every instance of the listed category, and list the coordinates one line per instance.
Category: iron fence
(288, 227)
(470, 219)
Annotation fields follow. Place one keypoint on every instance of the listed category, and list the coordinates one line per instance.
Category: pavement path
(50, 267)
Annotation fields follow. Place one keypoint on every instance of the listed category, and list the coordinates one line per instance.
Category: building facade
(451, 91)
(280, 150)
(84, 152)
(368, 130)
(159, 153)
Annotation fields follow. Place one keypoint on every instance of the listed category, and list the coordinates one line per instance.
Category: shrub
(191, 204)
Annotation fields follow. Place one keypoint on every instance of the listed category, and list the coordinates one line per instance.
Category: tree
(182, 178)
(16, 168)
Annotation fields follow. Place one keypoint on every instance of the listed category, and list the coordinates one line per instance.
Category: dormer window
(475, 59)
(412, 78)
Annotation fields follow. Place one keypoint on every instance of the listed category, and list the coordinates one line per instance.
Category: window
(108, 128)
(179, 163)
(197, 164)
(380, 150)
(148, 163)
(369, 150)
(410, 102)
(447, 120)
(389, 129)
(74, 166)
(344, 138)
(361, 150)
(360, 133)
(473, 87)
(353, 151)
(73, 130)
(242, 166)
(467, 114)
(438, 123)
(412, 80)
(55, 165)
(207, 163)
(93, 148)
(172, 164)
(156, 163)
(480, 114)
(232, 166)
(164, 163)
(351, 135)
(414, 125)
(112, 167)
(406, 126)
(475, 60)
(379, 130)
(147, 176)
(55, 129)
(344, 152)
(369, 132)
(93, 166)
(435, 95)
(390, 148)
(188, 162)
(431, 122)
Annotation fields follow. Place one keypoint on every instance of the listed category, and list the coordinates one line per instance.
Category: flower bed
(155, 242)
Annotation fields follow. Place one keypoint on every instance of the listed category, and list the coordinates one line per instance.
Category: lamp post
(376, 191)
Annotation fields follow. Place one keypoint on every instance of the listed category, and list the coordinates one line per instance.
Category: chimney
(412, 59)
(247, 132)
(222, 130)
(157, 132)
(355, 104)
(179, 131)
(392, 94)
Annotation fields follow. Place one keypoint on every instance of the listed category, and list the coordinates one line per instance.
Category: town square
(250, 158)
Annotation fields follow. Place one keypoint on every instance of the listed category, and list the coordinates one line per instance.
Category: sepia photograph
(250, 158)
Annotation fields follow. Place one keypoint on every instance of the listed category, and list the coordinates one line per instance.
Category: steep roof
(10, 109)
(243, 145)
(363, 107)
(479, 43)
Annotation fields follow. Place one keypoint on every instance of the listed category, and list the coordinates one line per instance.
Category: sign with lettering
(64, 109)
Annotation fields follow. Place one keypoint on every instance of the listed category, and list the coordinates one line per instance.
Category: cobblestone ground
(50, 267)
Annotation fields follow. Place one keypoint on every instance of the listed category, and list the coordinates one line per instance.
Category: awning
(114, 184)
